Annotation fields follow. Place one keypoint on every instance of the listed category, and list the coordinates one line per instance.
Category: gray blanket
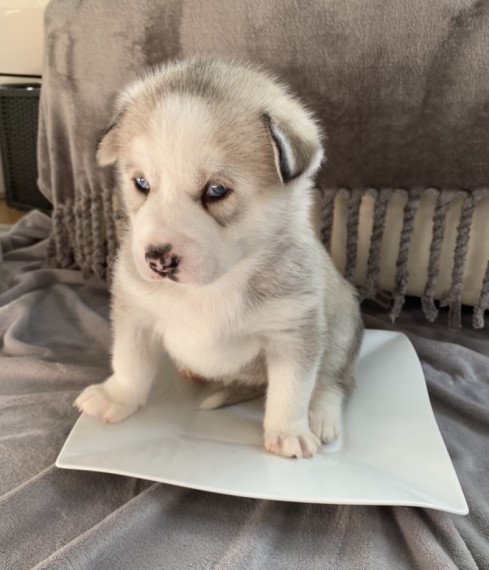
(56, 339)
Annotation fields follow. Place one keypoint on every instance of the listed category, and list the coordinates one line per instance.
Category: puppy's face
(200, 181)
(192, 184)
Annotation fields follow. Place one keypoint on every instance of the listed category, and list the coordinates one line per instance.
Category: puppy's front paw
(325, 424)
(97, 401)
(301, 445)
(325, 414)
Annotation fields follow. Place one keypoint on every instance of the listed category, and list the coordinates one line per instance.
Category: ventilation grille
(19, 112)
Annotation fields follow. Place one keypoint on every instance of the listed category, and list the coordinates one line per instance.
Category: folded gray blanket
(56, 338)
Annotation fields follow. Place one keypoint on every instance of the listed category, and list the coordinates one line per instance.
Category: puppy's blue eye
(215, 192)
(141, 184)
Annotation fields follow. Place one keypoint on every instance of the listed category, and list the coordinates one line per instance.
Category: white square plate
(391, 451)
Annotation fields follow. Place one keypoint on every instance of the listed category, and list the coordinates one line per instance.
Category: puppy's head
(212, 158)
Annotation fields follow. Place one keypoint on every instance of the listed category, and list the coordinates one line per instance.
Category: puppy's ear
(297, 151)
(108, 145)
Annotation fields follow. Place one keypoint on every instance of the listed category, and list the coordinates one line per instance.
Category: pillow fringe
(395, 301)
(402, 271)
(371, 285)
(483, 303)
(353, 217)
(443, 200)
(327, 216)
(453, 298)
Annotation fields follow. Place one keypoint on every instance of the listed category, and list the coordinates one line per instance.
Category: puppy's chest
(199, 345)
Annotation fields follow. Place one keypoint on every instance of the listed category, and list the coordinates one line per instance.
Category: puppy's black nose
(161, 260)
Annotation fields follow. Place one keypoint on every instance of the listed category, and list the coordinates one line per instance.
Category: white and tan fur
(255, 300)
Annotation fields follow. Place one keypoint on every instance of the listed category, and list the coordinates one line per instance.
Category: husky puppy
(220, 264)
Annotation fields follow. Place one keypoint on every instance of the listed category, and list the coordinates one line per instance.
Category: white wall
(21, 42)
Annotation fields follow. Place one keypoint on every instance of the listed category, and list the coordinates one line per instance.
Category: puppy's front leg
(134, 361)
(290, 385)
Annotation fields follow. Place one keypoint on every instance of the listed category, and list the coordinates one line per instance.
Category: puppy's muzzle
(162, 261)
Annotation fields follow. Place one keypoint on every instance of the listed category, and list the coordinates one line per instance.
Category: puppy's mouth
(170, 274)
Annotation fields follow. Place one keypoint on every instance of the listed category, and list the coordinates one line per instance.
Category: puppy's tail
(230, 395)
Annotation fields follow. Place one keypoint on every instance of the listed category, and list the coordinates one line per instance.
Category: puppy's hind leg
(135, 360)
